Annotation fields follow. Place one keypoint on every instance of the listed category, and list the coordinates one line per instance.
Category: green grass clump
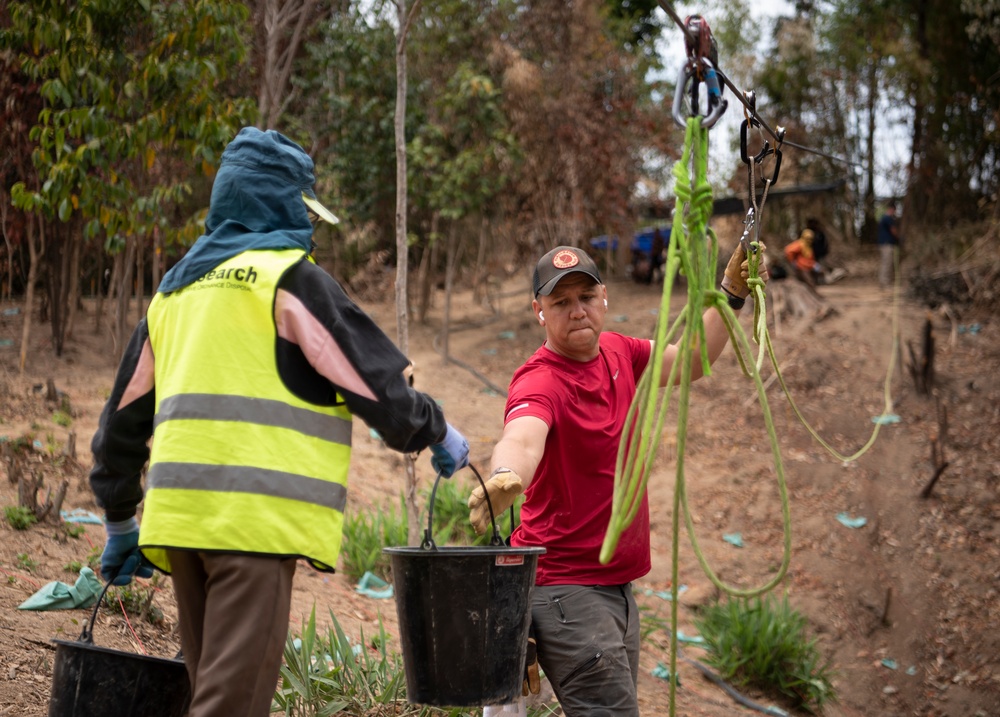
(322, 676)
(62, 418)
(26, 562)
(451, 515)
(365, 534)
(326, 675)
(19, 517)
(136, 599)
(761, 642)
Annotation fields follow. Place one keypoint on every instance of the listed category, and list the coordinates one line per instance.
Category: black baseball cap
(559, 262)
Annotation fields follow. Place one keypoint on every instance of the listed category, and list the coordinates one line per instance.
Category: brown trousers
(233, 614)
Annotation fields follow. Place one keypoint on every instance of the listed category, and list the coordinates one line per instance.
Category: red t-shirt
(568, 504)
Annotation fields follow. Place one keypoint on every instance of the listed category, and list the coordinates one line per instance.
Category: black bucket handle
(87, 636)
(428, 542)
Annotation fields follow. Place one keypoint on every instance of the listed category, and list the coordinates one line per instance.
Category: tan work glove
(503, 486)
(532, 681)
(737, 274)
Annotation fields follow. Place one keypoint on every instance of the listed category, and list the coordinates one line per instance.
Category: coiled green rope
(693, 251)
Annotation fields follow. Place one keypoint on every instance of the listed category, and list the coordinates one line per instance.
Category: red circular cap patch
(565, 259)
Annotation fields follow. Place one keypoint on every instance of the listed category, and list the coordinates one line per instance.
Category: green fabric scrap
(60, 596)
(663, 672)
(79, 515)
(734, 539)
(373, 586)
(850, 522)
(665, 594)
(885, 419)
(690, 639)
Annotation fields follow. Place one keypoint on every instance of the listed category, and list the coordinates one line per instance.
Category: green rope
(693, 252)
(760, 331)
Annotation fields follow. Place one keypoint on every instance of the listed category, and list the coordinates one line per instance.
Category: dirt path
(915, 586)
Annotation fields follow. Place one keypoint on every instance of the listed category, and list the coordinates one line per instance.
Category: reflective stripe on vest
(238, 463)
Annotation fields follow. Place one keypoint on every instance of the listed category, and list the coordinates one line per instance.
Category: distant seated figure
(801, 256)
(806, 253)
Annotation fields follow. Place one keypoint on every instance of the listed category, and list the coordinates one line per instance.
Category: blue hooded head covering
(257, 203)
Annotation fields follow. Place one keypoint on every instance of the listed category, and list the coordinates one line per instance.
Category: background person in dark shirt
(888, 242)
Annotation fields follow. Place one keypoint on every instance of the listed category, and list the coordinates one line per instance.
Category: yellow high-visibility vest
(239, 464)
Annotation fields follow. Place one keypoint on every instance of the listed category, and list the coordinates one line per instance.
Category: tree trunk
(140, 277)
(117, 266)
(915, 171)
(449, 278)
(869, 226)
(481, 275)
(280, 27)
(124, 293)
(402, 319)
(57, 276)
(36, 253)
(157, 255)
(8, 285)
(99, 294)
(73, 293)
(425, 278)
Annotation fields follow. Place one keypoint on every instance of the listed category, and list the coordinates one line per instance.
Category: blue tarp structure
(643, 240)
(601, 243)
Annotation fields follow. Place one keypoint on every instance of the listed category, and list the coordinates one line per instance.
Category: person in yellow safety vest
(247, 369)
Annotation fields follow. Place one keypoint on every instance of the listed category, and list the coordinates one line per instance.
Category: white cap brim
(319, 210)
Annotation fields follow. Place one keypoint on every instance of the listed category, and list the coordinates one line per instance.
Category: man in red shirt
(564, 419)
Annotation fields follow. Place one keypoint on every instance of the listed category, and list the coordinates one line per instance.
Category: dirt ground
(905, 606)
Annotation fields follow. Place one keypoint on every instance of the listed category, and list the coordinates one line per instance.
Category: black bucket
(464, 614)
(91, 681)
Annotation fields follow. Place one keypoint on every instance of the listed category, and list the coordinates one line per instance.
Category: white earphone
(605, 303)
(541, 316)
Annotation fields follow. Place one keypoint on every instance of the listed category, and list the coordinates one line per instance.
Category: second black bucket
(92, 681)
(464, 614)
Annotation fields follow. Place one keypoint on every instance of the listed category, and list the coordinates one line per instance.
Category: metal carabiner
(716, 104)
(748, 222)
(765, 151)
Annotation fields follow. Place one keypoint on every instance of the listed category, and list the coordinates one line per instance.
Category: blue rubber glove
(121, 558)
(451, 454)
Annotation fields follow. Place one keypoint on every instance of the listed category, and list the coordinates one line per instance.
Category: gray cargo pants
(588, 647)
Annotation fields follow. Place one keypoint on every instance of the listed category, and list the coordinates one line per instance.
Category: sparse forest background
(527, 124)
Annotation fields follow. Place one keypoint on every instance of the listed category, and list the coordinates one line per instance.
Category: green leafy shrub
(365, 534)
(94, 558)
(323, 676)
(762, 643)
(136, 599)
(651, 622)
(19, 517)
(62, 418)
(26, 563)
(73, 530)
(451, 515)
